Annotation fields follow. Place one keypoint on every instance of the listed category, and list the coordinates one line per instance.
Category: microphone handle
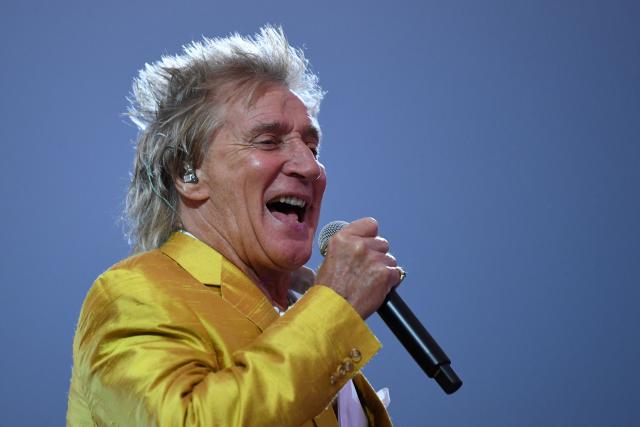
(418, 342)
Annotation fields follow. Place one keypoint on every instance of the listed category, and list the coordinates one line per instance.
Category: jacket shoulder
(150, 271)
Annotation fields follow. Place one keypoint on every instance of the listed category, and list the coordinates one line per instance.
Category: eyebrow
(280, 128)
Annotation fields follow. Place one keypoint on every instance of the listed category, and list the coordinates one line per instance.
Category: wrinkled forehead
(265, 102)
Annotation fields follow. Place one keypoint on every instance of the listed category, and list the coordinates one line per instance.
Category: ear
(196, 191)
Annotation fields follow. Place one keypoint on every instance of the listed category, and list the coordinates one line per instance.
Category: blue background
(496, 142)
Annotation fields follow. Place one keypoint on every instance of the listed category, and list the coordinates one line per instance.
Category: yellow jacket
(179, 336)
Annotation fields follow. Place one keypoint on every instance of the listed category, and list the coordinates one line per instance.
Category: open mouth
(288, 207)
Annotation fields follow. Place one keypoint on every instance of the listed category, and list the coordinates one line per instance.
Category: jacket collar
(210, 268)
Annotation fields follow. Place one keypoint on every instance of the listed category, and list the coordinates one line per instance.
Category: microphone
(407, 328)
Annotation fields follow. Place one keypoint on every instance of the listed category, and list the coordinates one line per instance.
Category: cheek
(320, 185)
(262, 164)
(257, 172)
(255, 162)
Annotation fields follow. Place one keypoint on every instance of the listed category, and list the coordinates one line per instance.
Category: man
(200, 327)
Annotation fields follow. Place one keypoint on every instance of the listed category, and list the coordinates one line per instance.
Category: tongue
(287, 218)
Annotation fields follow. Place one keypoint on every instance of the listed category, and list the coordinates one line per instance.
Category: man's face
(264, 181)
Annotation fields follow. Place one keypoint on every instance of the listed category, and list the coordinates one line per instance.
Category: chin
(290, 256)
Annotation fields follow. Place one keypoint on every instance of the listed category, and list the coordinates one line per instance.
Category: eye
(268, 143)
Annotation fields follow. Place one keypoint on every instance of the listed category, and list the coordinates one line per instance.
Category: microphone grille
(327, 231)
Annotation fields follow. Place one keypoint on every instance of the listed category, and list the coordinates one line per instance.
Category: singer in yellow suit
(200, 327)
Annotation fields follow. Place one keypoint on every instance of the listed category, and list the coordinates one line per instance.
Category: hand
(359, 266)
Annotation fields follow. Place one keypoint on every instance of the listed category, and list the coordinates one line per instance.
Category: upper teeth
(292, 201)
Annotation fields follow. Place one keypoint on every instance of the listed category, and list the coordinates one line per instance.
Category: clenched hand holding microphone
(359, 267)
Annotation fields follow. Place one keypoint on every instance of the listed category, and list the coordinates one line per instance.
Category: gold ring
(403, 274)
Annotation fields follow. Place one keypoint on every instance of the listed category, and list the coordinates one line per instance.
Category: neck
(274, 284)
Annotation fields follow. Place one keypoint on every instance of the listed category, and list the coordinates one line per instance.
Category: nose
(302, 163)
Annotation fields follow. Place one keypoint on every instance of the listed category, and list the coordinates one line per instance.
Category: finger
(363, 227)
(386, 259)
(392, 262)
(401, 274)
(396, 275)
(378, 244)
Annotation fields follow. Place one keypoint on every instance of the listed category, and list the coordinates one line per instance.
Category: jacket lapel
(210, 268)
(245, 296)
